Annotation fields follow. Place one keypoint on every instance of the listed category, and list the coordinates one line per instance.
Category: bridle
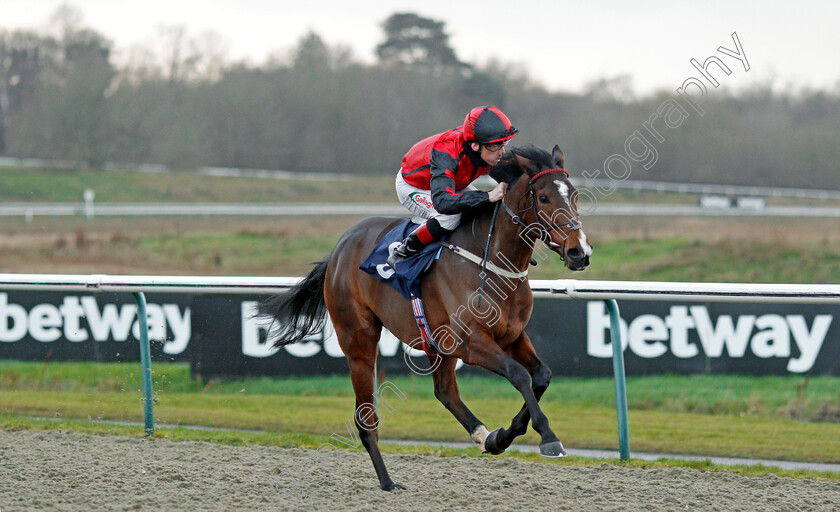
(545, 228)
(544, 233)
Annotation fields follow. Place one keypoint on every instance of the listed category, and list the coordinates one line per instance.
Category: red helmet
(486, 125)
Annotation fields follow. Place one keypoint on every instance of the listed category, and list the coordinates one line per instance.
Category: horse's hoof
(491, 444)
(391, 486)
(553, 449)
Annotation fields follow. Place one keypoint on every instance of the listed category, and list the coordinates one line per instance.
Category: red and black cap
(486, 125)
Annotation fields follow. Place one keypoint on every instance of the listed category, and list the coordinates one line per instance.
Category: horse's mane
(508, 169)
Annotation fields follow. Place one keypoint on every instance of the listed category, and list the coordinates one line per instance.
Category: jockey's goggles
(495, 146)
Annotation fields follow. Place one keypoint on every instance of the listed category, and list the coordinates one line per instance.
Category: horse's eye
(543, 198)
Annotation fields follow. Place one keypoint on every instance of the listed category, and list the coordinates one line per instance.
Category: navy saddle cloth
(406, 278)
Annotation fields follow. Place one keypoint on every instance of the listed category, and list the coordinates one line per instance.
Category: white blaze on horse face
(584, 243)
(563, 188)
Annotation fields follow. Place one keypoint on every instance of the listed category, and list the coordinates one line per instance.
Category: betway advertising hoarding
(220, 336)
(91, 327)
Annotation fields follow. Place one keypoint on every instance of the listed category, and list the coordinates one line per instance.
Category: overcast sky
(561, 44)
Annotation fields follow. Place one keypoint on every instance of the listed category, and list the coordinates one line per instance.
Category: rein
(482, 261)
(483, 274)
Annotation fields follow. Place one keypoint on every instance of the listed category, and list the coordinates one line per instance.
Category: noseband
(545, 227)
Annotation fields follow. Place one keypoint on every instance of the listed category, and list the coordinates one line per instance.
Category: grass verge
(703, 415)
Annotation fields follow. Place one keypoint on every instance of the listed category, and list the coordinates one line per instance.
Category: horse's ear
(557, 155)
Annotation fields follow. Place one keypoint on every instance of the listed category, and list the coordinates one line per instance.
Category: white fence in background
(89, 210)
(557, 288)
(604, 184)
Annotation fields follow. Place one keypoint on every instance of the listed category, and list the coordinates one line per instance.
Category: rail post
(146, 365)
(620, 384)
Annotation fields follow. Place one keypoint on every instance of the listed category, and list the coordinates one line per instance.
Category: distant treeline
(317, 109)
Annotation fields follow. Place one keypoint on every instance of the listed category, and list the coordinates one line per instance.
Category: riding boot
(409, 247)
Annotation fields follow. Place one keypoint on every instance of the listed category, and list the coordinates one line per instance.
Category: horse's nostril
(577, 259)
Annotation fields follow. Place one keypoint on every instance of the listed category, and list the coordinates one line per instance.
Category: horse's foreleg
(523, 352)
(362, 359)
(446, 391)
(484, 352)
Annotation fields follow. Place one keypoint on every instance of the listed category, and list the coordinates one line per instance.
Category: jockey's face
(489, 155)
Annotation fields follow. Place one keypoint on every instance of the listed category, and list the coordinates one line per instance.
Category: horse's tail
(301, 312)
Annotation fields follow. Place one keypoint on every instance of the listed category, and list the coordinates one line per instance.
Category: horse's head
(546, 201)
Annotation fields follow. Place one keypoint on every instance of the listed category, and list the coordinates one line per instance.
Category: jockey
(435, 179)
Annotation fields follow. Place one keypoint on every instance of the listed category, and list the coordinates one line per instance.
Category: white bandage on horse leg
(479, 436)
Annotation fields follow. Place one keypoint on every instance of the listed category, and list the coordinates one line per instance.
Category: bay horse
(540, 204)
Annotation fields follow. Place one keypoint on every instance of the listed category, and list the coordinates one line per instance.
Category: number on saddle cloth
(406, 278)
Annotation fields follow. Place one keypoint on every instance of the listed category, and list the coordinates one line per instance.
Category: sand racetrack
(53, 470)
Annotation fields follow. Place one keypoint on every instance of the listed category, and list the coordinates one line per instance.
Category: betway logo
(47, 322)
(766, 335)
(255, 329)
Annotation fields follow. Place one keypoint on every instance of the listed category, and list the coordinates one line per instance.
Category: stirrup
(401, 252)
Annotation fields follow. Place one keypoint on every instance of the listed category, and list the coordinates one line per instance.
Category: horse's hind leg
(446, 391)
(523, 352)
(361, 350)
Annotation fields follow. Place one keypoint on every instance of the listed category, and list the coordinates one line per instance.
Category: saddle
(406, 277)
